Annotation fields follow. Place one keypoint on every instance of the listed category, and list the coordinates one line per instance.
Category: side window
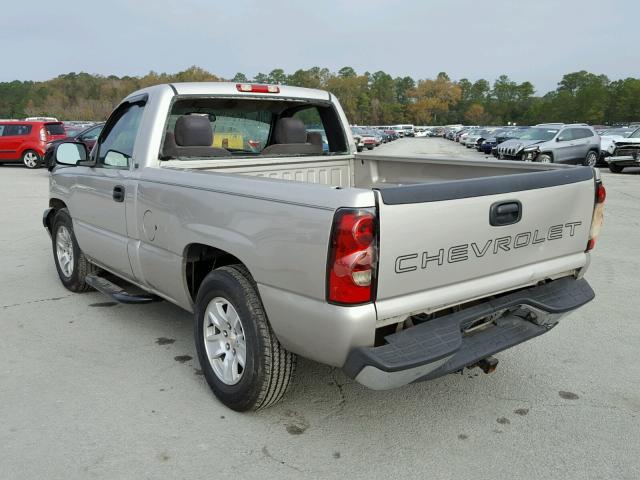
(313, 124)
(16, 130)
(116, 148)
(1, 129)
(585, 133)
(566, 135)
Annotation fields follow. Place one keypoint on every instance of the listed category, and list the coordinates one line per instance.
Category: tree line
(368, 99)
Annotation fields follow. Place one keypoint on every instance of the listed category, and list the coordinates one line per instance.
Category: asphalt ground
(94, 389)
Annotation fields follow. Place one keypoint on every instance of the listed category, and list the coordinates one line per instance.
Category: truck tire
(544, 158)
(240, 356)
(71, 264)
(615, 168)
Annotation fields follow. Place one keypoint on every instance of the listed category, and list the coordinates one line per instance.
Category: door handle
(118, 193)
(505, 213)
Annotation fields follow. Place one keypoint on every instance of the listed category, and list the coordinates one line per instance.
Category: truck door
(98, 202)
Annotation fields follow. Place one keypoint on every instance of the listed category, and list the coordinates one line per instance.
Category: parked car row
(30, 141)
(371, 137)
(577, 144)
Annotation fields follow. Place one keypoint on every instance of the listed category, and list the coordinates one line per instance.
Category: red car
(26, 142)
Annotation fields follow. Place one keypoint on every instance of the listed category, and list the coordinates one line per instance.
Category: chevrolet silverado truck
(219, 198)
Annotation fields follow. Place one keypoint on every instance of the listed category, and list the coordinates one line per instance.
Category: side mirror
(560, 139)
(69, 153)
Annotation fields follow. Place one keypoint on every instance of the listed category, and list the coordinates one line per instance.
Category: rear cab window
(253, 127)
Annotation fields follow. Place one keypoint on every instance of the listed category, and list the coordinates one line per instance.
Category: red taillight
(43, 134)
(257, 88)
(598, 215)
(601, 193)
(352, 257)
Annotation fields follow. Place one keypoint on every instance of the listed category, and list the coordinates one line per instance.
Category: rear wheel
(240, 356)
(615, 168)
(31, 159)
(591, 160)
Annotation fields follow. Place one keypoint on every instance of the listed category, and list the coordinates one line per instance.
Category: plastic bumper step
(441, 341)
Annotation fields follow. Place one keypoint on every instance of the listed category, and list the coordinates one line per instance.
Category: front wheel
(240, 356)
(544, 158)
(615, 168)
(31, 159)
(591, 160)
(71, 264)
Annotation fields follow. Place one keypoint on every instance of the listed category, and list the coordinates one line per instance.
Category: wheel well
(546, 153)
(29, 149)
(55, 204)
(202, 259)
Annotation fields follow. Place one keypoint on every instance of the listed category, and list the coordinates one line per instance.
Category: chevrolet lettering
(466, 251)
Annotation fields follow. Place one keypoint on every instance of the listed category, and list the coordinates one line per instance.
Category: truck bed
(437, 245)
(365, 170)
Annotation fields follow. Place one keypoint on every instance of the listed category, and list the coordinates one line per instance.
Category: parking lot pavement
(93, 389)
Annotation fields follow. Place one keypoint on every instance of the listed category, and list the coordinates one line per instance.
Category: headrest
(314, 138)
(289, 130)
(193, 131)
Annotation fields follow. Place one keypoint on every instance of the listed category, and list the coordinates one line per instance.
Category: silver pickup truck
(248, 206)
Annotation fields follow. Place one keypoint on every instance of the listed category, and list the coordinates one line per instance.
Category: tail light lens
(352, 265)
(43, 135)
(598, 215)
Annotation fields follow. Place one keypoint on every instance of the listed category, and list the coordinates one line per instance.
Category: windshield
(539, 134)
(73, 131)
(622, 132)
(635, 134)
(516, 133)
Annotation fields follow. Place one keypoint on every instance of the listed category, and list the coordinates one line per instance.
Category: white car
(608, 138)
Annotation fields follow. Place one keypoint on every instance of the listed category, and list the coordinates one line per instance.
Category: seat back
(192, 137)
(290, 138)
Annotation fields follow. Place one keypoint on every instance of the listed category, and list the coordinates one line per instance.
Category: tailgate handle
(505, 213)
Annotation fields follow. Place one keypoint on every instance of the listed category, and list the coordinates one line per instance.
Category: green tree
(240, 78)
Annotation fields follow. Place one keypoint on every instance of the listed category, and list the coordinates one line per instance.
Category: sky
(535, 40)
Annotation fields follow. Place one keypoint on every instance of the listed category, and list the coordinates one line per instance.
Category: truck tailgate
(438, 246)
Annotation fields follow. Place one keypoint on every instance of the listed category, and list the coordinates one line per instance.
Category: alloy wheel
(64, 251)
(30, 160)
(224, 340)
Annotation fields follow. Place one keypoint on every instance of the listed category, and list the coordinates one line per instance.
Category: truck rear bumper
(440, 346)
